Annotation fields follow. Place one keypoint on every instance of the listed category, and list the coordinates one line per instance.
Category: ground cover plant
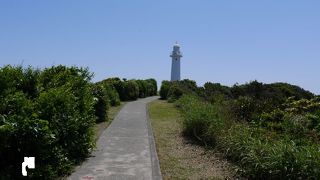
(270, 130)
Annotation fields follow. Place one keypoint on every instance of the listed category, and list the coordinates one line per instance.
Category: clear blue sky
(222, 41)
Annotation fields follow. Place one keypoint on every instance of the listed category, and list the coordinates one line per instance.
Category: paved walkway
(125, 150)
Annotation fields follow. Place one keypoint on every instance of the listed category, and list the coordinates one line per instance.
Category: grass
(179, 158)
(259, 152)
(112, 112)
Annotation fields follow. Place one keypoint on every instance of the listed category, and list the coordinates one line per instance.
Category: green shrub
(101, 103)
(71, 127)
(276, 137)
(165, 86)
(10, 79)
(18, 79)
(130, 91)
(48, 114)
(215, 92)
(297, 118)
(314, 121)
(302, 106)
(147, 87)
(259, 152)
(111, 92)
(112, 95)
(21, 133)
(277, 92)
(244, 108)
(142, 88)
(201, 120)
(151, 87)
(266, 97)
(263, 158)
(175, 92)
(71, 103)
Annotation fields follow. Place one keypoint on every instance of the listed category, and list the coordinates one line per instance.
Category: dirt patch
(207, 163)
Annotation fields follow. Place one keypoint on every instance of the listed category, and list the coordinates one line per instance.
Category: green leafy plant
(48, 114)
(165, 86)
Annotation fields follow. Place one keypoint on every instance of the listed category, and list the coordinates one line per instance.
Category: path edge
(156, 172)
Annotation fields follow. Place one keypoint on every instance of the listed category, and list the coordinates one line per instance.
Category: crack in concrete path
(125, 150)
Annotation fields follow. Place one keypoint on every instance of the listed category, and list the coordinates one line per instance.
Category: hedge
(129, 90)
(174, 90)
(48, 114)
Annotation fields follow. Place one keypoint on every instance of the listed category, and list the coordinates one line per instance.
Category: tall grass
(261, 154)
(201, 120)
(266, 158)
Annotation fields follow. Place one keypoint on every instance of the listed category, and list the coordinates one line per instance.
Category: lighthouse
(175, 66)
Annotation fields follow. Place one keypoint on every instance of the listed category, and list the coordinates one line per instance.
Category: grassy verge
(112, 112)
(260, 152)
(179, 158)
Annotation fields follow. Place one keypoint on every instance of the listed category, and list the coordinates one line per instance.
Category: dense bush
(132, 89)
(270, 130)
(265, 158)
(252, 99)
(142, 88)
(261, 155)
(200, 119)
(111, 92)
(276, 91)
(152, 88)
(243, 108)
(174, 90)
(47, 114)
(147, 87)
(164, 89)
(14, 79)
(112, 95)
(50, 114)
(299, 119)
(102, 102)
(215, 91)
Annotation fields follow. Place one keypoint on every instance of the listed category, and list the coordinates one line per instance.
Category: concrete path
(126, 149)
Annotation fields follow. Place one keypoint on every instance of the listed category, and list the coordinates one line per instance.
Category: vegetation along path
(180, 157)
(126, 149)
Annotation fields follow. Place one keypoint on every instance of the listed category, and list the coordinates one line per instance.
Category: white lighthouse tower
(175, 67)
